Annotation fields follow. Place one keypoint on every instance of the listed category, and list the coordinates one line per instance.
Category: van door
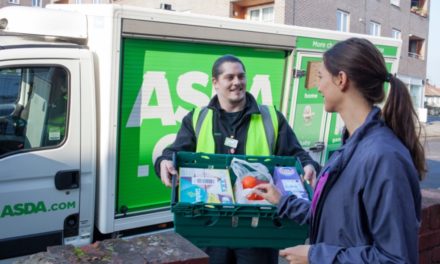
(307, 115)
(317, 131)
(39, 154)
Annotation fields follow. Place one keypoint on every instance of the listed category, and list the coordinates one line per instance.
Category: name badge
(230, 142)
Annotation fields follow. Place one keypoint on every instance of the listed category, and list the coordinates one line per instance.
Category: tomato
(249, 182)
(254, 197)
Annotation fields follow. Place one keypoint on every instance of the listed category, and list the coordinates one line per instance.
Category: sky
(433, 62)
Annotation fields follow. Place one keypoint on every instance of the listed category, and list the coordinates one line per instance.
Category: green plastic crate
(237, 225)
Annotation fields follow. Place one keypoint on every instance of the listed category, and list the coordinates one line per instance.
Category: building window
(395, 33)
(261, 13)
(416, 95)
(374, 28)
(416, 47)
(37, 3)
(395, 2)
(15, 2)
(163, 6)
(417, 3)
(343, 21)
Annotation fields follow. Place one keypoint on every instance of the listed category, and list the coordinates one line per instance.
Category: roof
(45, 22)
(22, 41)
(431, 90)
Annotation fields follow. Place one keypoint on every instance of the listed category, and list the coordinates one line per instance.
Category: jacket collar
(349, 144)
(373, 119)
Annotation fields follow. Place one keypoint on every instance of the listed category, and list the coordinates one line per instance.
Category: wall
(322, 14)
(429, 233)
(211, 7)
(4, 3)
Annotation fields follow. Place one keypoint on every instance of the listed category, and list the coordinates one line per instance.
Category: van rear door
(39, 153)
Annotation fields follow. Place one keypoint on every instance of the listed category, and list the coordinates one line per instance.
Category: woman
(366, 205)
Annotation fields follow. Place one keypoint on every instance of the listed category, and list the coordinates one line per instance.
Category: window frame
(38, 3)
(260, 13)
(342, 21)
(14, 2)
(396, 34)
(374, 28)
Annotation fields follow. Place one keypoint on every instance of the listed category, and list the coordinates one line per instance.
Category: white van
(91, 94)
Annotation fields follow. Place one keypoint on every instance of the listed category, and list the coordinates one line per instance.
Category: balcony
(419, 7)
(416, 47)
(251, 9)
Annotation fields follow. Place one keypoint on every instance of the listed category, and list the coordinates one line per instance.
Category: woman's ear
(342, 80)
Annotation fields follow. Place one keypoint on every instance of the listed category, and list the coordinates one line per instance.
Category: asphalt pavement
(431, 129)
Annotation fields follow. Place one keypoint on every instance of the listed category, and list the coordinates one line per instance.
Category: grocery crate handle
(277, 222)
(254, 221)
(212, 221)
(174, 181)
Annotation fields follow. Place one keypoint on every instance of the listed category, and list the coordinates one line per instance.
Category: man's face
(231, 83)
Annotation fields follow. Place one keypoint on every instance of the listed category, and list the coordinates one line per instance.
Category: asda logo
(34, 208)
(156, 83)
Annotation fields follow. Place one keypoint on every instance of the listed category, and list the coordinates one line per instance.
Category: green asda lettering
(155, 82)
(34, 208)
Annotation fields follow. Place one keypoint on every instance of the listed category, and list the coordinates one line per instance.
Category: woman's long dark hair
(365, 66)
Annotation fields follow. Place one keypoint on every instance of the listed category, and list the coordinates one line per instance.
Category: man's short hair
(219, 62)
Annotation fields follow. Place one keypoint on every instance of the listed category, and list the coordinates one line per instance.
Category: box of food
(289, 182)
(205, 185)
(233, 224)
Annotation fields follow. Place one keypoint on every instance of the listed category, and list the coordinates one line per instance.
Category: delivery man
(233, 123)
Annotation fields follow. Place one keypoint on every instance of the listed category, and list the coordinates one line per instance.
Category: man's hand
(310, 175)
(296, 255)
(167, 171)
(269, 192)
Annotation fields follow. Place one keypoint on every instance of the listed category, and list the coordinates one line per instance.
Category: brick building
(404, 19)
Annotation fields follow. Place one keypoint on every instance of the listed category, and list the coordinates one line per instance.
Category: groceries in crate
(249, 175)
(205, 185)
(244, 224)
(288, 181)
(214, 185)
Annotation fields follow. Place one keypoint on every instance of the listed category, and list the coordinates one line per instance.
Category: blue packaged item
(289, 182)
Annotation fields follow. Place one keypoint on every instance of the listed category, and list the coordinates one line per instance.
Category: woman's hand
(310, 175)
(268, 191)
(296, 255)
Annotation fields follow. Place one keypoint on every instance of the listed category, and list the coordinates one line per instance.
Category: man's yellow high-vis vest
(261, 136)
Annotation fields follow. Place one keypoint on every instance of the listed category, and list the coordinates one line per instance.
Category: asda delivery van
(91, 94)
